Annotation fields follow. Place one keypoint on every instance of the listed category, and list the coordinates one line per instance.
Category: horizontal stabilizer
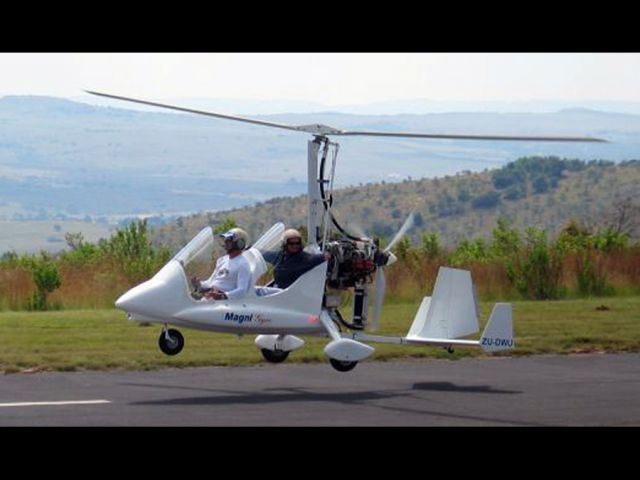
(498, 334)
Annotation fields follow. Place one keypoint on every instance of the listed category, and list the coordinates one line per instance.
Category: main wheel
(172, 345)
(274, 356)
(342, 366)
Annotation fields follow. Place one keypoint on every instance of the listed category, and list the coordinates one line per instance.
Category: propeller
(408, 223)
(380, 280)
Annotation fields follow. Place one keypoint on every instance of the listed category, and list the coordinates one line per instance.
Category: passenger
(290, 262)
(232, 276)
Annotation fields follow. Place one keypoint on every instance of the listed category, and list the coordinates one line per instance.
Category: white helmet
(288, 234)
(239, 237)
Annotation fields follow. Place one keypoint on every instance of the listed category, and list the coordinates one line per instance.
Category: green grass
(105, 339)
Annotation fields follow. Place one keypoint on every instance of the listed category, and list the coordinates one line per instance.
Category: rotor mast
(314, 201)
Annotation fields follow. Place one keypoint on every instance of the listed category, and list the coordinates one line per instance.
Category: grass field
(105, 339)
(46, 234)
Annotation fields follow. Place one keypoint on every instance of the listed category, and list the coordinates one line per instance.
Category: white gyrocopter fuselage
(298, 310)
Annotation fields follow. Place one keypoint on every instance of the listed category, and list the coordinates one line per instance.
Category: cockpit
(197, 257)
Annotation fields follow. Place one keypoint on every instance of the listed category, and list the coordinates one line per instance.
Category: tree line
(580, 261)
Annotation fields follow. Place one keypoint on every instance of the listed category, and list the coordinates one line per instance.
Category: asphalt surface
(578, 390)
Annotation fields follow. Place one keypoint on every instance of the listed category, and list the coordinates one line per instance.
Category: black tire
(173, 345)
(274, 356)
(342, 366)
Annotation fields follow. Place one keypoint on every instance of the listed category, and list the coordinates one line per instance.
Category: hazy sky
(328, 78)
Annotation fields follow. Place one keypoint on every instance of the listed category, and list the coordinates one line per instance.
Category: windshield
(197, 257)
(271, 240)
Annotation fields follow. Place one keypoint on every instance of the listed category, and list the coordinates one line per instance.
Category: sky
(328, 78)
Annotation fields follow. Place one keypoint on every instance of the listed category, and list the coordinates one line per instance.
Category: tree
(537, 270)
(506, 240)
(431, 244)
(624, 216)
(47, 279)
(131, 248)
(488, 200)
(227, 224)
(74, 240)
(540, 185)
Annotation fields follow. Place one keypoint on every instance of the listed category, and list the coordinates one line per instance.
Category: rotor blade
(381, 284)
(318, 129)
(199, 112)
(408, 223)
(472, 137)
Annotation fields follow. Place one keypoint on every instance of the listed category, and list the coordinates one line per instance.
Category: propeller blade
(381, 284)
(408, 223)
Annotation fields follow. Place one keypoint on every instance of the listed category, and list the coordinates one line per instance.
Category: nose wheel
(342, 366)
(171, 341)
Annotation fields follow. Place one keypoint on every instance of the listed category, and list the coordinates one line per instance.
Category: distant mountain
(416, 106)
(545, 192)
(61, 159)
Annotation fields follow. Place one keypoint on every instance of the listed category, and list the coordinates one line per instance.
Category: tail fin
(498, 334)
(451, 312)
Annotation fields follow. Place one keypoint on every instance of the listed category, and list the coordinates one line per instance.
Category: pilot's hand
(215, 295)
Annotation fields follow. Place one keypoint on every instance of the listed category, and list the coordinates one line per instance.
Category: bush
(46, 278)
(506, 240)
(591, 275)
(131, 250)
(537, 270)
(470, 251)
(430, 245)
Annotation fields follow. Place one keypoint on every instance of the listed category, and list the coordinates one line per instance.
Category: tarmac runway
(576, 390)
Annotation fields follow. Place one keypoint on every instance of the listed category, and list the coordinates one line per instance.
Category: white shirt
(232, 276)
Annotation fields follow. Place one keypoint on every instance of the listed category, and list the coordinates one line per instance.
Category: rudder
(498, 334)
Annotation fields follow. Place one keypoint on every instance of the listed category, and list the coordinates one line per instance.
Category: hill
(544, 192)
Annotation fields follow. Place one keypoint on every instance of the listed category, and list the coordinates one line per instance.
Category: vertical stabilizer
(498, 334)
(451, 311)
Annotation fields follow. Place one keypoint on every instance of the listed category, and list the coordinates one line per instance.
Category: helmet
(239, 237)
(291, 233)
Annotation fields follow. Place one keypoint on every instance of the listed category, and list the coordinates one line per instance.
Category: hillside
(544, 192)
(63, 160)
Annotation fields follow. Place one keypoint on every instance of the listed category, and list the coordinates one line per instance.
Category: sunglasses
(294, 243)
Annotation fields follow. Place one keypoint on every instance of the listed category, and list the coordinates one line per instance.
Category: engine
(353, 262)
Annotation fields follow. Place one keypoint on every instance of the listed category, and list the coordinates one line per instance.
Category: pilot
(232, 276)
(291, 262)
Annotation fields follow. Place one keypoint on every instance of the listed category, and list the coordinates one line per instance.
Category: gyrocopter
(310, 305)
